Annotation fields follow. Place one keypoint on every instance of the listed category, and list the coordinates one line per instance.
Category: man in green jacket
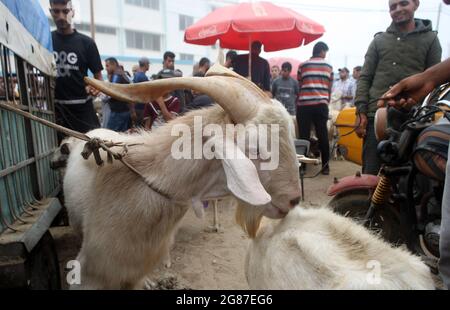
(408, 46)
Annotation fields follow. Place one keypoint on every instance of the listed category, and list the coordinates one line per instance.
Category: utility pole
(439, 16)
(92, 20)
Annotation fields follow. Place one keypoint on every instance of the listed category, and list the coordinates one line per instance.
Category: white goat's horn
(238, 96)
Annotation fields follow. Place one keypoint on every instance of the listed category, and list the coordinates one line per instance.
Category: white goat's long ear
(242, 177)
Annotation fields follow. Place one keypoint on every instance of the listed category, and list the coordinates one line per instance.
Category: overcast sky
(351, 24)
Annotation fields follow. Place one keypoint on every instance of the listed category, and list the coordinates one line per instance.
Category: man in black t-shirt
(260, 67)
(74, 54)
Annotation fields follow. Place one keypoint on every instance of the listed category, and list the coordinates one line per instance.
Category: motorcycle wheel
(354, 204)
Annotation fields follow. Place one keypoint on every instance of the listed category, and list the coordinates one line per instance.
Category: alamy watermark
(73, 269)
(261, 142)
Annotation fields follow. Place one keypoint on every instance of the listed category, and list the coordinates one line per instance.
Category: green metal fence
(25, 147)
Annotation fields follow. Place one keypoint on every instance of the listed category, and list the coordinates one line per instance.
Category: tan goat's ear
(242, 177)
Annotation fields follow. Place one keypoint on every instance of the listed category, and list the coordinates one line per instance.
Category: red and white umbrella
(237, 26)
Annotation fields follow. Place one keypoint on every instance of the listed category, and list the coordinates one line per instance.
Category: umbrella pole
(250, 59)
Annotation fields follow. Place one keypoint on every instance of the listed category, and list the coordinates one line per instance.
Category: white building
(130, 29)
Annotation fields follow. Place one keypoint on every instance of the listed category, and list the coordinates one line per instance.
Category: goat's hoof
(168, 264)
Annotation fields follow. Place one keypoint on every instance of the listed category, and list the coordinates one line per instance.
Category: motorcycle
(403, 203)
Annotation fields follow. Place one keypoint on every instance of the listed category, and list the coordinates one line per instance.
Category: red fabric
(275, 27)
(172, 104)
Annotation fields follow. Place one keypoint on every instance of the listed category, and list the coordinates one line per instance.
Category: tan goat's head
(260, 191)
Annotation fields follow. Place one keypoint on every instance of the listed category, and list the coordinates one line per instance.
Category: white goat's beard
(249, 218)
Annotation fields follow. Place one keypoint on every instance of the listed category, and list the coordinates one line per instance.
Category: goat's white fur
(127, 227)
(316, 249)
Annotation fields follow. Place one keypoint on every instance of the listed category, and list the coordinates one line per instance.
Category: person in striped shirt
(315, 77)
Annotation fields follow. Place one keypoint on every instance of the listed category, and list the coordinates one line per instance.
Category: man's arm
(165, 112)
(266, 76)
(98, 76)
(299, 76)
(148, 123)
(434, 55)
(366, 79)
(415, 88)
(91, 90)
(93, 58)
(363, 87)
(266, 79)
(330, 88)
(94, 65)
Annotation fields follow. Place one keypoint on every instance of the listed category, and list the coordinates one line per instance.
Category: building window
(150, 4)
(185, 21)
(189, 57)
(98, 28)
(143, 40)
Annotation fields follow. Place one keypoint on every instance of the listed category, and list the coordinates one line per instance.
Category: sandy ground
(202, 259)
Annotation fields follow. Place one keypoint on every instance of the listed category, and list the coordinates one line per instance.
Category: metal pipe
(92, 20)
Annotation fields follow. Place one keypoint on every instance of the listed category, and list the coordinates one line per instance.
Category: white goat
(317, 249)
(127, 226)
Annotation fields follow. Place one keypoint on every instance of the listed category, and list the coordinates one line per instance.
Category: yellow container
(351, 144)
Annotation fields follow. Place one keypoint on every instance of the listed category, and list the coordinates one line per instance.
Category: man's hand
(361, 124)
(160, 102)
(407, 93)
(92, 91)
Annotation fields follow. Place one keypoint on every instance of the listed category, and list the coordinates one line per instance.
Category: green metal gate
(26, 147)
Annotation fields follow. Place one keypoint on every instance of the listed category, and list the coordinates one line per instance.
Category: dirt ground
(202, 259)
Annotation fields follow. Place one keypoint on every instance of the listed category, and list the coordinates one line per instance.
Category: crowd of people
(75, 107)
(409, 46)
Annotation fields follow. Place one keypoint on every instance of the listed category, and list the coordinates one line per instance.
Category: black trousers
(371, 162)
(78, 117)
(317, 115)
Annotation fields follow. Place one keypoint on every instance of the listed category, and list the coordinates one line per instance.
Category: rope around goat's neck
(92, 146)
